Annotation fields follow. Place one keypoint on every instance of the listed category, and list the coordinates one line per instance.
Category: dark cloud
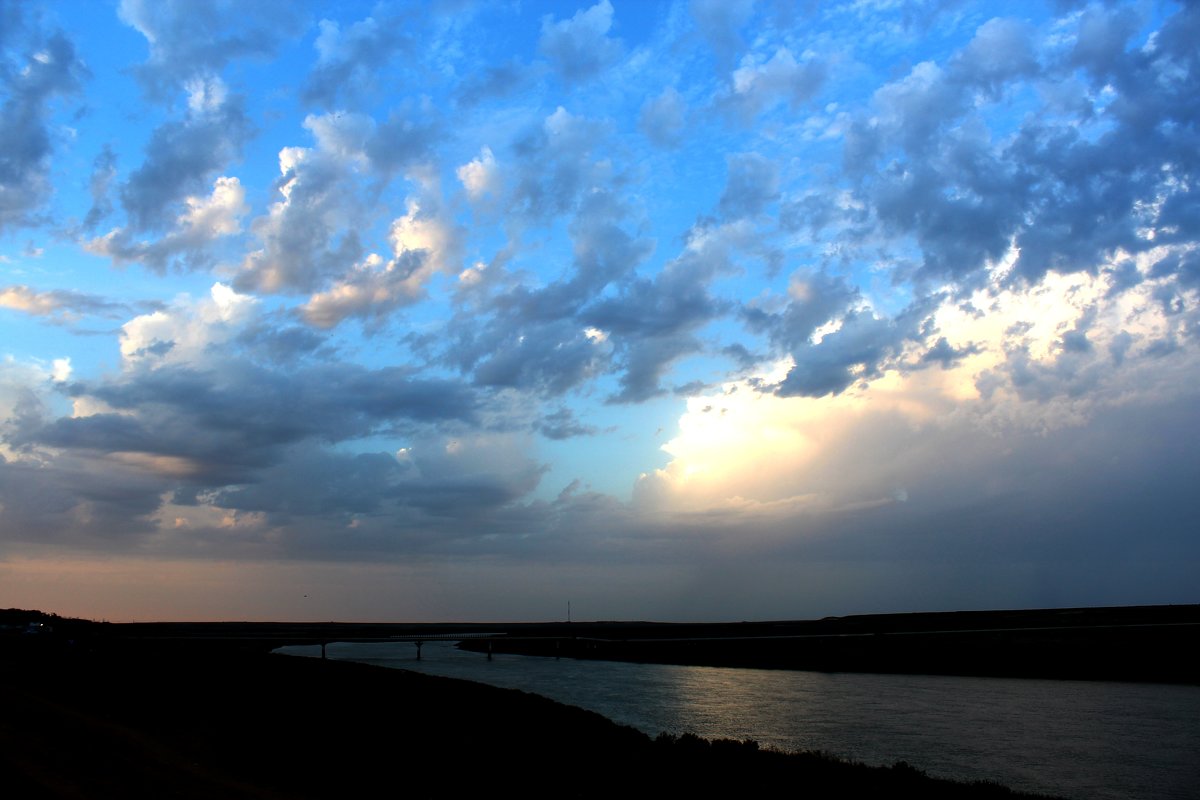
(946, 355)
(314, 482)
(181, 159)
(552, 356)
(1123, 276)
(42, 66)
(691, 389)
(811, 212)
(432, 496)
(579, 48)
(1101, 40)
(220, 424)
(1072, 373)
(1001, 51)
(539, 338)
(645, 361)
(857, 351)
(563, 424)
(77, 503)
(1184, 265)
(653, 322)
(1119, 347)
(816, 299)
(271, 343)
(861, 347)
(931, 169)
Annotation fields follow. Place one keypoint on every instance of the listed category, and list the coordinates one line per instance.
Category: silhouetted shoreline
(100, 721)
(1127, 643)
(204, 710)
(1124, 643)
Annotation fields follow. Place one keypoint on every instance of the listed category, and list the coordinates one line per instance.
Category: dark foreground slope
(108, 723)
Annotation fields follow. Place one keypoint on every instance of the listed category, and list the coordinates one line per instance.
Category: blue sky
(678, 310)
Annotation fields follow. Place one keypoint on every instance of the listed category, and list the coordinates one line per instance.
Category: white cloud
(187, 331)
(22, 298)
(481, 175)
(423, 244)
(206, 94)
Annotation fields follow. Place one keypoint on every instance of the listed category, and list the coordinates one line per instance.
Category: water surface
(1078, 739)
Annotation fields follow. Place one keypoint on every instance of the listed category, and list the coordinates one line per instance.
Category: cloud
(193, 420)
(495, 82)
(423, 243)
(562, 424)
(310, 236)
(858, 350)
(542, 338)
(579, 48)
(181, 157)
(653, 322)
(203, 221)
(663, 118)
(759, 85)
(480, 176)
(60, 304)
(300, 249)
(48, 68)
(946, 355)
(104, 173)
(555, 165)
(196, 39)
(753, 184)
(931, 168)
(404, 141)
(348, 60)
(188, 329)
(1051, 506)
(720, 23)
(1025, 397)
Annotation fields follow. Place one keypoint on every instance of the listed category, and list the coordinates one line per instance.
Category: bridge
(418, 640)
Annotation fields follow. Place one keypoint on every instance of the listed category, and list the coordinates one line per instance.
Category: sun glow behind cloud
(742, 448)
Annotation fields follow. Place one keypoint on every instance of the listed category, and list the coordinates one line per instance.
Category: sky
(707, 310)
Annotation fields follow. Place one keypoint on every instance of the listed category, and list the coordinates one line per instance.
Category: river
(1076, 739)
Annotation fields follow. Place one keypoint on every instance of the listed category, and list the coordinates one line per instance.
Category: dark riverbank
(1124, 643)
(111, 722)
(1132, 643)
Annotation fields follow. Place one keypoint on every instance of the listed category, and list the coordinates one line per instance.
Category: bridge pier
(418, 644)
(489, 649)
